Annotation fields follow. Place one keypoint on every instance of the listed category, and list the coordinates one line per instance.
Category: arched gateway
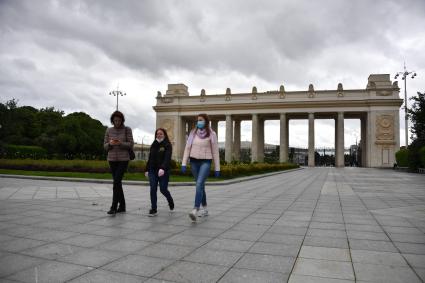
(377, 107)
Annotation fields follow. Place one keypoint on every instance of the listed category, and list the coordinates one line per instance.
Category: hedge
(422, 156)
(95, 166)
(23, 151)
(401, 157)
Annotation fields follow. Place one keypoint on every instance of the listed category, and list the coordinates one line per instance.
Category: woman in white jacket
(201, 148)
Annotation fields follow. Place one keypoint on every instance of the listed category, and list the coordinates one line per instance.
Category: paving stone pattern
(312, 225)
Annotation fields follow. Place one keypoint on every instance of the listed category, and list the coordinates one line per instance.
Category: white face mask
(159, 140)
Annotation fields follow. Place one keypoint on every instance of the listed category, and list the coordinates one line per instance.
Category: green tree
(417, 116)
(74, 135)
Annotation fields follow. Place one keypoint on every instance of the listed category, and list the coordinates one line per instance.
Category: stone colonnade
(233, 135)
(376, 106)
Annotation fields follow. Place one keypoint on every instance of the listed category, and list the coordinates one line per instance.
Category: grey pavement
(311, 225)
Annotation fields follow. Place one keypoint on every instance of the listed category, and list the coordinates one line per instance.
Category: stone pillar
(283, 153)
(339, 156)
(237, 141)
(214, 126)
(311, 139)
(229, 139)
(254, 142)
(261, 140)
(335, 138)
(369, 139)
(180, 138)
(363, 140)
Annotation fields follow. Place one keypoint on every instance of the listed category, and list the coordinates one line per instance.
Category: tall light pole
(404, 76)
(117, 93)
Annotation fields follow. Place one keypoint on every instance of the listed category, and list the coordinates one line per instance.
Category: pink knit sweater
(203, 149)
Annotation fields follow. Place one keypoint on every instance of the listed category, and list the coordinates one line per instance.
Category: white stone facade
(377, 106)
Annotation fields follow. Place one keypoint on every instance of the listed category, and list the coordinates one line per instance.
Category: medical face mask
(159, 140)
(200, 124)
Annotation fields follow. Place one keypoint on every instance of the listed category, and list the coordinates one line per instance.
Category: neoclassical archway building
(377, 106)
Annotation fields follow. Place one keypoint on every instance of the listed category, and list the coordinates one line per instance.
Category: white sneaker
(203, 213)
(192, 214)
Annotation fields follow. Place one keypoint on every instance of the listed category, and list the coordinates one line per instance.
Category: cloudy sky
(70, 54)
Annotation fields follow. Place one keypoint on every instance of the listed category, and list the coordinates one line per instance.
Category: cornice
(280, 105)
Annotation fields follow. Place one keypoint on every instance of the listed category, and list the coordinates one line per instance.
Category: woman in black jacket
(158, 169)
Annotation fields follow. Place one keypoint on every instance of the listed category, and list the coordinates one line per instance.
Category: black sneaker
(120, 210)
(152, 212)
(112, 212)
(171, 205)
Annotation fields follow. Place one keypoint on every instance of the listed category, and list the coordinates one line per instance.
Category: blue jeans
(200, 170)
(163, 186)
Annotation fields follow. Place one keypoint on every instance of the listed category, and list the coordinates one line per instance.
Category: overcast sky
(70, 54)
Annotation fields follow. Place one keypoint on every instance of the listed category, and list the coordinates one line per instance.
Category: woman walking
(158, 169)
(201, 148)
(118, 141)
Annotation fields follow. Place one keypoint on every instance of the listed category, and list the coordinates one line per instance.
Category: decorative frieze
(385, 128)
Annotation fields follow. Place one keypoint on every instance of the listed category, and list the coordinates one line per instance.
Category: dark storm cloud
(69, 54)
(251, 37)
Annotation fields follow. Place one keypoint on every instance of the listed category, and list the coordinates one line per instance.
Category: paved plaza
(312, 225)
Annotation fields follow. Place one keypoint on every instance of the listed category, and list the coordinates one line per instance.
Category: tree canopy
(69, 136)
(417, 115)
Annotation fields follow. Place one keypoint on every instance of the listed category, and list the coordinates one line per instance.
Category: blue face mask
(200, 124)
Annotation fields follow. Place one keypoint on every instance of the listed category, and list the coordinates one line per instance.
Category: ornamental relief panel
(168, 125)
(385, 127)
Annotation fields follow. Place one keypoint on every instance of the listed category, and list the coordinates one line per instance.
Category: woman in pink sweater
(201, 148)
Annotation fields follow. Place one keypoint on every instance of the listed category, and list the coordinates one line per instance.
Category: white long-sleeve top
(206, 148)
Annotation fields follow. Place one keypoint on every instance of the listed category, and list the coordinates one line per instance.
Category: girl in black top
(158, 169)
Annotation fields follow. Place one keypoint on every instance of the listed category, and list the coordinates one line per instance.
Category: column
(283, 153)
(180, 138)
(311, 139)
(237, 141)
(339, 158)
(214, 126)
(254, 142)
(261, 140)
(229, 139)
(363, 140)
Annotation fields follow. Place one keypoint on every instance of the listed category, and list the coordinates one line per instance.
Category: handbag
(130, 150)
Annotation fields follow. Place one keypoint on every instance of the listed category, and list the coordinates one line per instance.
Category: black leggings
(118, 169)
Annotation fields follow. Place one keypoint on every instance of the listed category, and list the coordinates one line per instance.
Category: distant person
(118, 141)
(201, 148)
(158, 169)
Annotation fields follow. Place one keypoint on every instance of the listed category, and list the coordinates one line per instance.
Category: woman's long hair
(165, 134)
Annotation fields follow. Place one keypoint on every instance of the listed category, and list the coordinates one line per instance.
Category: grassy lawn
(127, 176)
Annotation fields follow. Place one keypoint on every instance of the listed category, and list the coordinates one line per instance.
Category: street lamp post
(404, 76)
(117, 93)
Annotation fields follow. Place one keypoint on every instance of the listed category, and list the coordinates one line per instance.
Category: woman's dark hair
(207, 123)
(165, 133)
(119, 115)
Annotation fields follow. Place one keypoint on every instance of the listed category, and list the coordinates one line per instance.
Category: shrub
(24, 151)
(414, 156)
(401, 157)
(102, 166)
(422, 156)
